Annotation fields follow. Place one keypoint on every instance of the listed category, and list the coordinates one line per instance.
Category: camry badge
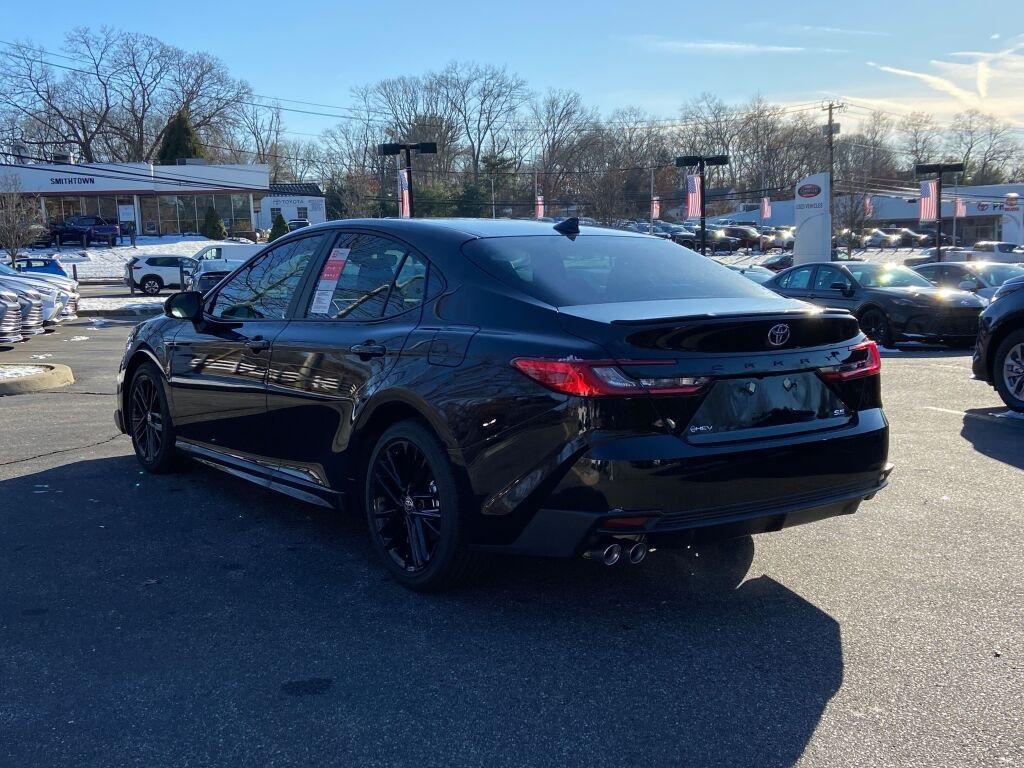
(778, 335)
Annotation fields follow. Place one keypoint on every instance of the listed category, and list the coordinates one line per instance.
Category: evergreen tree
(180, 140)
(280, 228)
(213, 225)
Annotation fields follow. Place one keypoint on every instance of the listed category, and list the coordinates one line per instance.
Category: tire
(410, 492)
(1010, 386)
(151, 285)
(149, 421)
(876, 326)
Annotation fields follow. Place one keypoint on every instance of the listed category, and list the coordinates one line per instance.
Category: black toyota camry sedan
(893, 303)
(481, 386)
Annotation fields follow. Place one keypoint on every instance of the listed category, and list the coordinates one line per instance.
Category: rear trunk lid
(756, 361)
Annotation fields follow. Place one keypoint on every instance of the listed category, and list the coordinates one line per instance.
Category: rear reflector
(602, 378)
(863, 360)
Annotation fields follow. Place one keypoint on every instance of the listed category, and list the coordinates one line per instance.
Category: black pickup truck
(85, 230)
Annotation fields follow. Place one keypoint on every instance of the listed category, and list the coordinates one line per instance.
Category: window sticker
(329, 281)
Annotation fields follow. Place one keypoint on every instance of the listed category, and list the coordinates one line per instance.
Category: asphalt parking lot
(197, 620)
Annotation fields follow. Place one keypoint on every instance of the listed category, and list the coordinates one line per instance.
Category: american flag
(403, 193)
(869, 207)
(960, 208)
(693, 195)
(540, 206)
(929, 198)
(766, 208)
(655, 207)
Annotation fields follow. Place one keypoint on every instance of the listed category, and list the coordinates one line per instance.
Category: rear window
(599, 269)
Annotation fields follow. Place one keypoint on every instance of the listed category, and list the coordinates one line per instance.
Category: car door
(823, 292)
(358, 311)
(218, 366)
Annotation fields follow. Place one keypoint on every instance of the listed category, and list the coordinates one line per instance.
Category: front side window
(885, 276)
(263, 289)
(596, 269)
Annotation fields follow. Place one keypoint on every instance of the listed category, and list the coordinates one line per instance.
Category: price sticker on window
(329, 281)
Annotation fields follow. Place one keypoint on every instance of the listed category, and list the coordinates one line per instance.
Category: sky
(939, 56)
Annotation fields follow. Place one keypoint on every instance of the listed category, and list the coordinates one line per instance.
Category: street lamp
(701, 161)
(423, 147)
(938, 169)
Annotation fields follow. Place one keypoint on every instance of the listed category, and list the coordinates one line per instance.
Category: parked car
(294, 224)
(746, 237)
(929, 231)
(908, 238)
(10, 317)
(85, 230)
(30, 305)
(45, 282)
(40, 264)
(1006, 253)
(52, 290)
(999, 353)
(891, 302)
(717, 240)
(753, 272)
(204, 281)
(979, 277)
(511, 386)
(780, 238)
(219, 258)
(876, 238)
(151, 274)
(929, 255)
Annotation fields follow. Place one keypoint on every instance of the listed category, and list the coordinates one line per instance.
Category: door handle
(368, 349)
(257, 344)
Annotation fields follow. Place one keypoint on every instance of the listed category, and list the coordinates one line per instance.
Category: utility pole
(831, 129)
(650, 227)
(494, 213)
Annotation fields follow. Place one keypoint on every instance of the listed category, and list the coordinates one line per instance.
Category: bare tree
(19, 216)
(919, 137)
(984, 144)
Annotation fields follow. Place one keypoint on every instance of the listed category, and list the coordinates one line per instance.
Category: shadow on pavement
(998, 437)
(197, 619)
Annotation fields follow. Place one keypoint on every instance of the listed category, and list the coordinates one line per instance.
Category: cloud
(932, 81)
(724, 47)
(994, 36)
(838, 31)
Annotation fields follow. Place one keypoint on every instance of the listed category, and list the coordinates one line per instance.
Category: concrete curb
(122, 312)
(54, 376)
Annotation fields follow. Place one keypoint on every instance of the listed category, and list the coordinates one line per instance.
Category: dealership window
(240, 213)
(302, 212)
(168, 215)
(274, 213)
(53, 211)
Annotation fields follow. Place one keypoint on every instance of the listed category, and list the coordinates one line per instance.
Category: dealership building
(165, 199)
(992, 212)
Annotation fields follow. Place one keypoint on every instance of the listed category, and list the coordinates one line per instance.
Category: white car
(151, 274)
(55, 297)
(876, 238)
(222, 258)
(981, 278)
(1004, 253)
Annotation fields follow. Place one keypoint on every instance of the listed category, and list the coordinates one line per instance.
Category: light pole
(938, 169)
(702, 161)
(423, 147)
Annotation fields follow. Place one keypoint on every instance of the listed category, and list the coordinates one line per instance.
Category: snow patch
(8, 372)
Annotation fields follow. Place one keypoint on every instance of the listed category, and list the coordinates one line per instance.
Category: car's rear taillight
(863, 360)
(603, 378)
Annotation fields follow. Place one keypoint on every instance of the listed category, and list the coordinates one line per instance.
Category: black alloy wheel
(875, 325)
(414, 509)
(149, 421)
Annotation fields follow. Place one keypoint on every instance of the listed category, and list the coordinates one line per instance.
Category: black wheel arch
(142, 354)
(375, 415)
(1009, 325)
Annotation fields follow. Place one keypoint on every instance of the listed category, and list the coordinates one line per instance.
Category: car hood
(932, 296)
(64, 283)
(34, 283)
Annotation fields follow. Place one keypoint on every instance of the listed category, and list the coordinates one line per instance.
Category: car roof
(467, 228)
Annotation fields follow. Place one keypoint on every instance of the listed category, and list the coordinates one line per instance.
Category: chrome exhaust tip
(637, 553)
(608, 555)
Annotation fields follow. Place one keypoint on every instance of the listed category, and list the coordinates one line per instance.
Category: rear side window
(596, 269)
(798, 279)
(829, 276)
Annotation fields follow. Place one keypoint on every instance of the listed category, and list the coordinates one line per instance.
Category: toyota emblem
(778, 335)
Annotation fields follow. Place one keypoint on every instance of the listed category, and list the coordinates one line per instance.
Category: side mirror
(968, 285)
(186, 305)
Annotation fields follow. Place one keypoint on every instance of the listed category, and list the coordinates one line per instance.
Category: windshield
(5, 270)
(997, 274)
(881, 276)
(598, 269)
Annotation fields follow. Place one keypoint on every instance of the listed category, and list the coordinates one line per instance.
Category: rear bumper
(685, 492)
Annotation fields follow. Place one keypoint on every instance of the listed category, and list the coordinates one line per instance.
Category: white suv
(151, 274)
